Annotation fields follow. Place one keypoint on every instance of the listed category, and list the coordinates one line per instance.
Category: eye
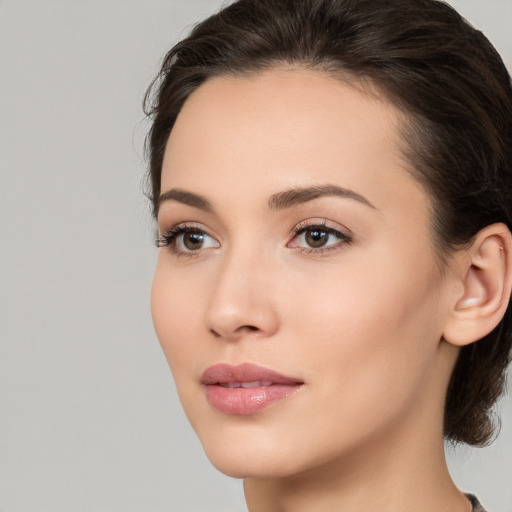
(315, 238)
(318, 238)
(194, 241)
(186, 240)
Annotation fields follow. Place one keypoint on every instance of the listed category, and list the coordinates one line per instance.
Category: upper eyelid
(176, 229)
(183, 226)
(301, 226)
(170, 218)
(322, 223)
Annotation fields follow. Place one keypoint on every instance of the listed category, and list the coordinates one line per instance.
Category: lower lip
(245, 401)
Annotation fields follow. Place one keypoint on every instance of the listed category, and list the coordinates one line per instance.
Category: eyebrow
(295, 196)
(278, 201)
(184, 197)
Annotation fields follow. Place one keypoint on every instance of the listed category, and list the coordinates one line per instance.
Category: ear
(485, 272)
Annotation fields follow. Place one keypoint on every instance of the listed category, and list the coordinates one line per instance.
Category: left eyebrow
(295, 196)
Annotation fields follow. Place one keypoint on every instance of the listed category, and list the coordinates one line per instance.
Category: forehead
(282, 128)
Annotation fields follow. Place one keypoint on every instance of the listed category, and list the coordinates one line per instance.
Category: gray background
(89, 420)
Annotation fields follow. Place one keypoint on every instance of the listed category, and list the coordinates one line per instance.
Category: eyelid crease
(333, 227)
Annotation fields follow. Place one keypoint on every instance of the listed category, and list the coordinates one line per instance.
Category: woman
(332, 184)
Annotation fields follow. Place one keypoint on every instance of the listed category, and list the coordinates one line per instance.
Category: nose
(242, 303)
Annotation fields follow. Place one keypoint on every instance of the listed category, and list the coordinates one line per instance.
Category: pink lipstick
(247, 388)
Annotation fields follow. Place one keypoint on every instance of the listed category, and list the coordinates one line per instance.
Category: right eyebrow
(184, 197)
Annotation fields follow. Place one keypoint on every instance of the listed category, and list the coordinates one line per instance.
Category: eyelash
(168, 239)
(344, 238)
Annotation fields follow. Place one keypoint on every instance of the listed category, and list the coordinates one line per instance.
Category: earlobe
(486, 276)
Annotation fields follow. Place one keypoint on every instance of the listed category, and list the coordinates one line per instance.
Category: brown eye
(316, 238)
(183, 240)
(190, 240)
(193, 240)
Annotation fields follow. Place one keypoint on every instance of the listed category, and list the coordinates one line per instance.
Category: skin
(360, 322)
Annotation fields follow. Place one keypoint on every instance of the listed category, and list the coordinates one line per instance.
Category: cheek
(370, 329)
(367, 345)
(172, 310)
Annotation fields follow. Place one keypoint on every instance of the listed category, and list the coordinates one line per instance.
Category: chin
(250, 454)
(240, 466)
(264, 454)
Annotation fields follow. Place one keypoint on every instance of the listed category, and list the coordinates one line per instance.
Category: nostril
(247, 328)
(235, 333)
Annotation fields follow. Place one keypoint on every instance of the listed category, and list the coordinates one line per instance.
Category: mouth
(253, 384)
(246, 389)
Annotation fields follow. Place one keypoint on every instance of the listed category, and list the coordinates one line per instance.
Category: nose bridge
(241, 301)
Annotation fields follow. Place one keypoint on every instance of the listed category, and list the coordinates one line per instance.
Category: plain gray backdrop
(89, 419)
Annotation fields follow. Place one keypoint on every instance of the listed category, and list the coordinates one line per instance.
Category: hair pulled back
(428, 61)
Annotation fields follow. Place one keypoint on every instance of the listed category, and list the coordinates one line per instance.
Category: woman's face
(296, 295)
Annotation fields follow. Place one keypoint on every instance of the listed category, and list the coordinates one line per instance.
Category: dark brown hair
(427, 60)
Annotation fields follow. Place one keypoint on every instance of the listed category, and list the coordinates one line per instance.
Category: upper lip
(246, 372)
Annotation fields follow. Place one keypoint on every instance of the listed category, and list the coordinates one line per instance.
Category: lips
(246, 389)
